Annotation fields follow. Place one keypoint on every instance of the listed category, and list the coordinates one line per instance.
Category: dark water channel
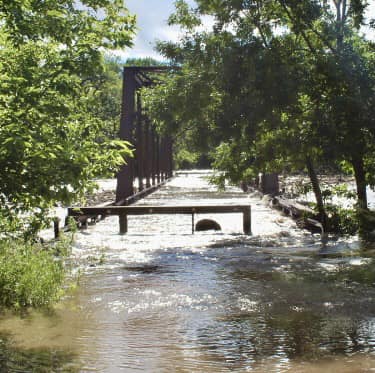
(162, 300)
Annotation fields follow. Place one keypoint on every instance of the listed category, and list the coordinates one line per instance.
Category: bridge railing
(124, 211)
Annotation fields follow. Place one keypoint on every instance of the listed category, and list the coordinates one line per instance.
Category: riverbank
(298, 187)
(297, 200)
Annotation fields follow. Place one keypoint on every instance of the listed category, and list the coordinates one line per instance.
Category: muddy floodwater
(160, 299)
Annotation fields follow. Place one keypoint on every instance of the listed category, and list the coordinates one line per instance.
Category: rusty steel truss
(153, 161)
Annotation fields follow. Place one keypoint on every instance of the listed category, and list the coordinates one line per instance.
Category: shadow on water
(292, 335)
(15, 359)
(148, 269)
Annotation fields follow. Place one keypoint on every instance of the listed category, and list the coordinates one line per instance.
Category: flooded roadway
(162, 300)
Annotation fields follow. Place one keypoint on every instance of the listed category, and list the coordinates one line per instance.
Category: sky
(152, 16)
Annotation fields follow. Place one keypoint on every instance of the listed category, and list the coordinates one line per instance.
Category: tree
(109, 96)
(51, 142)
(275, 84)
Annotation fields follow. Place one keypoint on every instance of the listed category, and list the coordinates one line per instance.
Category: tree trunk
(360, 179)
(317, 192)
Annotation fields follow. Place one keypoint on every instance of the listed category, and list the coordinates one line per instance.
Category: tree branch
(305, 38)
(295, 21)
(259, 27)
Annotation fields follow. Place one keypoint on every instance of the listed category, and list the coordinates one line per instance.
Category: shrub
(342, 220)
(30, 274)
(367, 224)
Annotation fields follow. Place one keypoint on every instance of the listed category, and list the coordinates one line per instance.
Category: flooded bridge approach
(160, 299)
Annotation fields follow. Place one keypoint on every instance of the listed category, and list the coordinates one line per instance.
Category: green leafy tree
(52, 143)
(275, 84)
(143, 62)
(109, 96)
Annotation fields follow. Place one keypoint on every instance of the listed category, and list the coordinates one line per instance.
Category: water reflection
(17, 359)
(160, 299)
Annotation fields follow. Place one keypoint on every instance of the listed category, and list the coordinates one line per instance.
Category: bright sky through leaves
(152, 25)
(152, 16)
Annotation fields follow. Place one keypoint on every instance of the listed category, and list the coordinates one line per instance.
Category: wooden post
(123, 220)
(247, 221)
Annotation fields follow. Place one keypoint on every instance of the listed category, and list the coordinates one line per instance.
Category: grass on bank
(31, 274)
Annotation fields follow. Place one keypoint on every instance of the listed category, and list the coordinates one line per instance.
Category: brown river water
(160, 299)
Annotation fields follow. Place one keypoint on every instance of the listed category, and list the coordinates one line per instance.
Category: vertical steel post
(169, 157)
(140, 145)
(158, 173)
(247, 221)
(148, 153)
(123, 220)
(153, 159)
(162, 158)
(125, 176)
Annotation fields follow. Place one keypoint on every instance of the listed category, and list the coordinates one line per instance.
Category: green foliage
(52, 141)
(85, 26)
(234, 171)
(108, 98)
(184, 16)
(342, 220)
(185, 159)
(30, 274)
(146, 61)
(367, 223)
(343, 190)
(275, 85)
(47, 134)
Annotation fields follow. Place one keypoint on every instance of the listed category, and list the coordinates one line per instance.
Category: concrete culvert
(206, 225)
